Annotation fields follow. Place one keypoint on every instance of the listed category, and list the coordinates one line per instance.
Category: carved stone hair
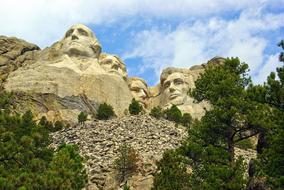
(170, 70)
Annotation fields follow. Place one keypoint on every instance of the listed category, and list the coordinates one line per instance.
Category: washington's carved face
(175, 89)
(80, 41)
(112, 65)
(139, 91)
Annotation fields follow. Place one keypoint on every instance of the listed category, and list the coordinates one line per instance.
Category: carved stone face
(80, 41)
(175, 89)
(139, 91)
(112, 65)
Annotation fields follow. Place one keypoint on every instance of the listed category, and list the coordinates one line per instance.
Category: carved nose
(171, 88)
(74, 37)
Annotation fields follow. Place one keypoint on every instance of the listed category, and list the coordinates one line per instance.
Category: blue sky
(150, 35)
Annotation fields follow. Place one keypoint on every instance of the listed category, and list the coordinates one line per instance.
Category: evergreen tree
(135, 108)
(233, 117)
(171, 173)
(126, 163)
(156, 112)
(271, 142)
(105, 111)
(27, 161)
(186, 119)
(82, 117)
(173, 114)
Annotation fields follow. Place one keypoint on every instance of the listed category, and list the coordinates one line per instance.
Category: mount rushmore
(74, 75)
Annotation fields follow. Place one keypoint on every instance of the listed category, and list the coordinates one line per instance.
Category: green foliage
(245, 144)
(58, 125)
(126, 187)
(82, 117)
(186, 119)
(5, 100)
(156, 112)
(211, 165)
(27, 161)
(171, 173)
(234, 113)
(135, 108)
(126, 163)
(173, 114)
(271, 139)
(66, 169)
(105, 111)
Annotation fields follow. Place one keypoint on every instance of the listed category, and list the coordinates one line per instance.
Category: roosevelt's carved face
(139, 91)
(80, 41)
(113, 65)
(175, 89)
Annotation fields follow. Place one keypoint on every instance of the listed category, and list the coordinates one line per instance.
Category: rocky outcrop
(15, 53)
(99, 142)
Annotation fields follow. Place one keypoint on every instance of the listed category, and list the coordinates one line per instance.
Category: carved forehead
(83, 27)
(104, 57)
(174, 76)
(136, 81)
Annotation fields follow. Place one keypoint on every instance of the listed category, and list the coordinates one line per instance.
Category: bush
(82, 117)
(171, 173)
(105, 111)
(186, 119)
(58, 125)
(245, 144)
(126, 163)
(156, 112)
(135, 108)
(28, 162)
(173, 114)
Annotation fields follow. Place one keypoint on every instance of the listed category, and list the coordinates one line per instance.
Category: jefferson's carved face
(139, 91)
(112, 65)
(80, 41)
(175, 89)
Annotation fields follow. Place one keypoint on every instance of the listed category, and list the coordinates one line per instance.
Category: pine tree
(135, 108)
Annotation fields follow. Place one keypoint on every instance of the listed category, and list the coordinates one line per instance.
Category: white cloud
(45, 21)
(270, 65)
(191, 44)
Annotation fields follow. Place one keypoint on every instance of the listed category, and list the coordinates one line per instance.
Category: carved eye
(135, 89)
(83, 32)
(69, 33)
(167, 84)
(107, 62)
(178, 81)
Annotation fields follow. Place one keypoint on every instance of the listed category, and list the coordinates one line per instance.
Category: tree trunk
(231, 146)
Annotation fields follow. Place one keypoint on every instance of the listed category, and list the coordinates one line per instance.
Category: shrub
(245, 144)
(58, 125)
(186, 119)
(105, 111)
(82, 117)
(173, 114)
(126, 163)
(135, 108)
(156, 112)
(171, 173)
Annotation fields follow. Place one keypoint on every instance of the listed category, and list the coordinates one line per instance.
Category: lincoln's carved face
(175, 89)
(139, 91)
(113, 65)
(80, 41)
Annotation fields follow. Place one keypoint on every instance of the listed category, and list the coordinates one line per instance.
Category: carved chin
(177, 100)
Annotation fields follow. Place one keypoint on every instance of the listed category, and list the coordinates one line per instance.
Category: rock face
(15, 53)
(99, 142)
(76, 71)
(72, 68)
